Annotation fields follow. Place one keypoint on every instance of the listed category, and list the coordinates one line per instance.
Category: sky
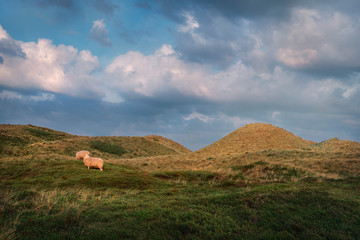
(189, 70)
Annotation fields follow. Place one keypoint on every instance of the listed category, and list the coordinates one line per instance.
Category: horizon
(190, 71)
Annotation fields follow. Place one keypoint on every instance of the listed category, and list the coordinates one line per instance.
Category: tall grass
(61, 199)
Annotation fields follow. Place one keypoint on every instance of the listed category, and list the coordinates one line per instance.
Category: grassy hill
(21, 140)
(263, 152)
(256, 137)
(259, 182)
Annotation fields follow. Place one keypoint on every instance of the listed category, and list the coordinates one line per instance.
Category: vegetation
(20, 140)
(107, 147)
(45, 134)
(61, 199)
(45, 193)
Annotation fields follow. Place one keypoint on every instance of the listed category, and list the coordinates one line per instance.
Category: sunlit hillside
(22, 140)
(258, 182)
(258, 151)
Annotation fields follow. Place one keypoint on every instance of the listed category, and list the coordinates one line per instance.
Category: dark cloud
(106, 7)
(229, 8)
(194, 124)
(143, 5)
(317, 38)
(256, 9)
(66, 4)
(10, 47)
(1, 60)
(250, 9)
(215, 41)
(127, 36)
(60, 11)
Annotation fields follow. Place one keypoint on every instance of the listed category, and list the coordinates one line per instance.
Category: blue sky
(192, 71)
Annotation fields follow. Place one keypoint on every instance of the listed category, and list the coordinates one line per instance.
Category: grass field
(260, 195)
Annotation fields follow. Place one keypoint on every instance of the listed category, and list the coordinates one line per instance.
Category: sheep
(93, 162)
(80, 155)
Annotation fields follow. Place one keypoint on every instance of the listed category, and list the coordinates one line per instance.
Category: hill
(263, 152)
(336, 145)
(259, 182)
(21, 140)
(256, 137)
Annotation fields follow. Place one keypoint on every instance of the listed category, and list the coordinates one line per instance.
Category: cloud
(143, 5)
(275, 115)
(99, 33)
(199, 116)
(211, 40)
(59, 12)
(302, 35)
(11, 95)
(229, 8)
(319, 41)
(106, 7)
(43, 97)
(66, 4)
(191, 24)
(1, 60)
(165, 93)
(166, 77)
(9, 46)
(60, 69)
(162, 74)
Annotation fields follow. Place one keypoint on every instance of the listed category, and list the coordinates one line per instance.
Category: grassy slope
(20, 140)
(60, 199)
(270, 194)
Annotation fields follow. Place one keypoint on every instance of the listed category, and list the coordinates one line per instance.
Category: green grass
(44, 134)
(107, 147)
(59, 198)
(192, 176)
(10, 145)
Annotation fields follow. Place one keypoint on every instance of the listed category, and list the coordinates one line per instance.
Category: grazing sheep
(80, 155)
(93, 162)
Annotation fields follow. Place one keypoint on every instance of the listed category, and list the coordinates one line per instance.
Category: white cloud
(296, 58)
(158, 74)
(60, 69)
(191, 23)
(199, 116)
(219, 117)
(99, 33)
(43, 97)
(167, 76)
(112, 97)
(315, 39)
(11, 95)
(275, 115)
(190, 28)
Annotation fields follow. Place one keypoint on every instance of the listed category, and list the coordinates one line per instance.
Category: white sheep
(93, 162)
(80, 155)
